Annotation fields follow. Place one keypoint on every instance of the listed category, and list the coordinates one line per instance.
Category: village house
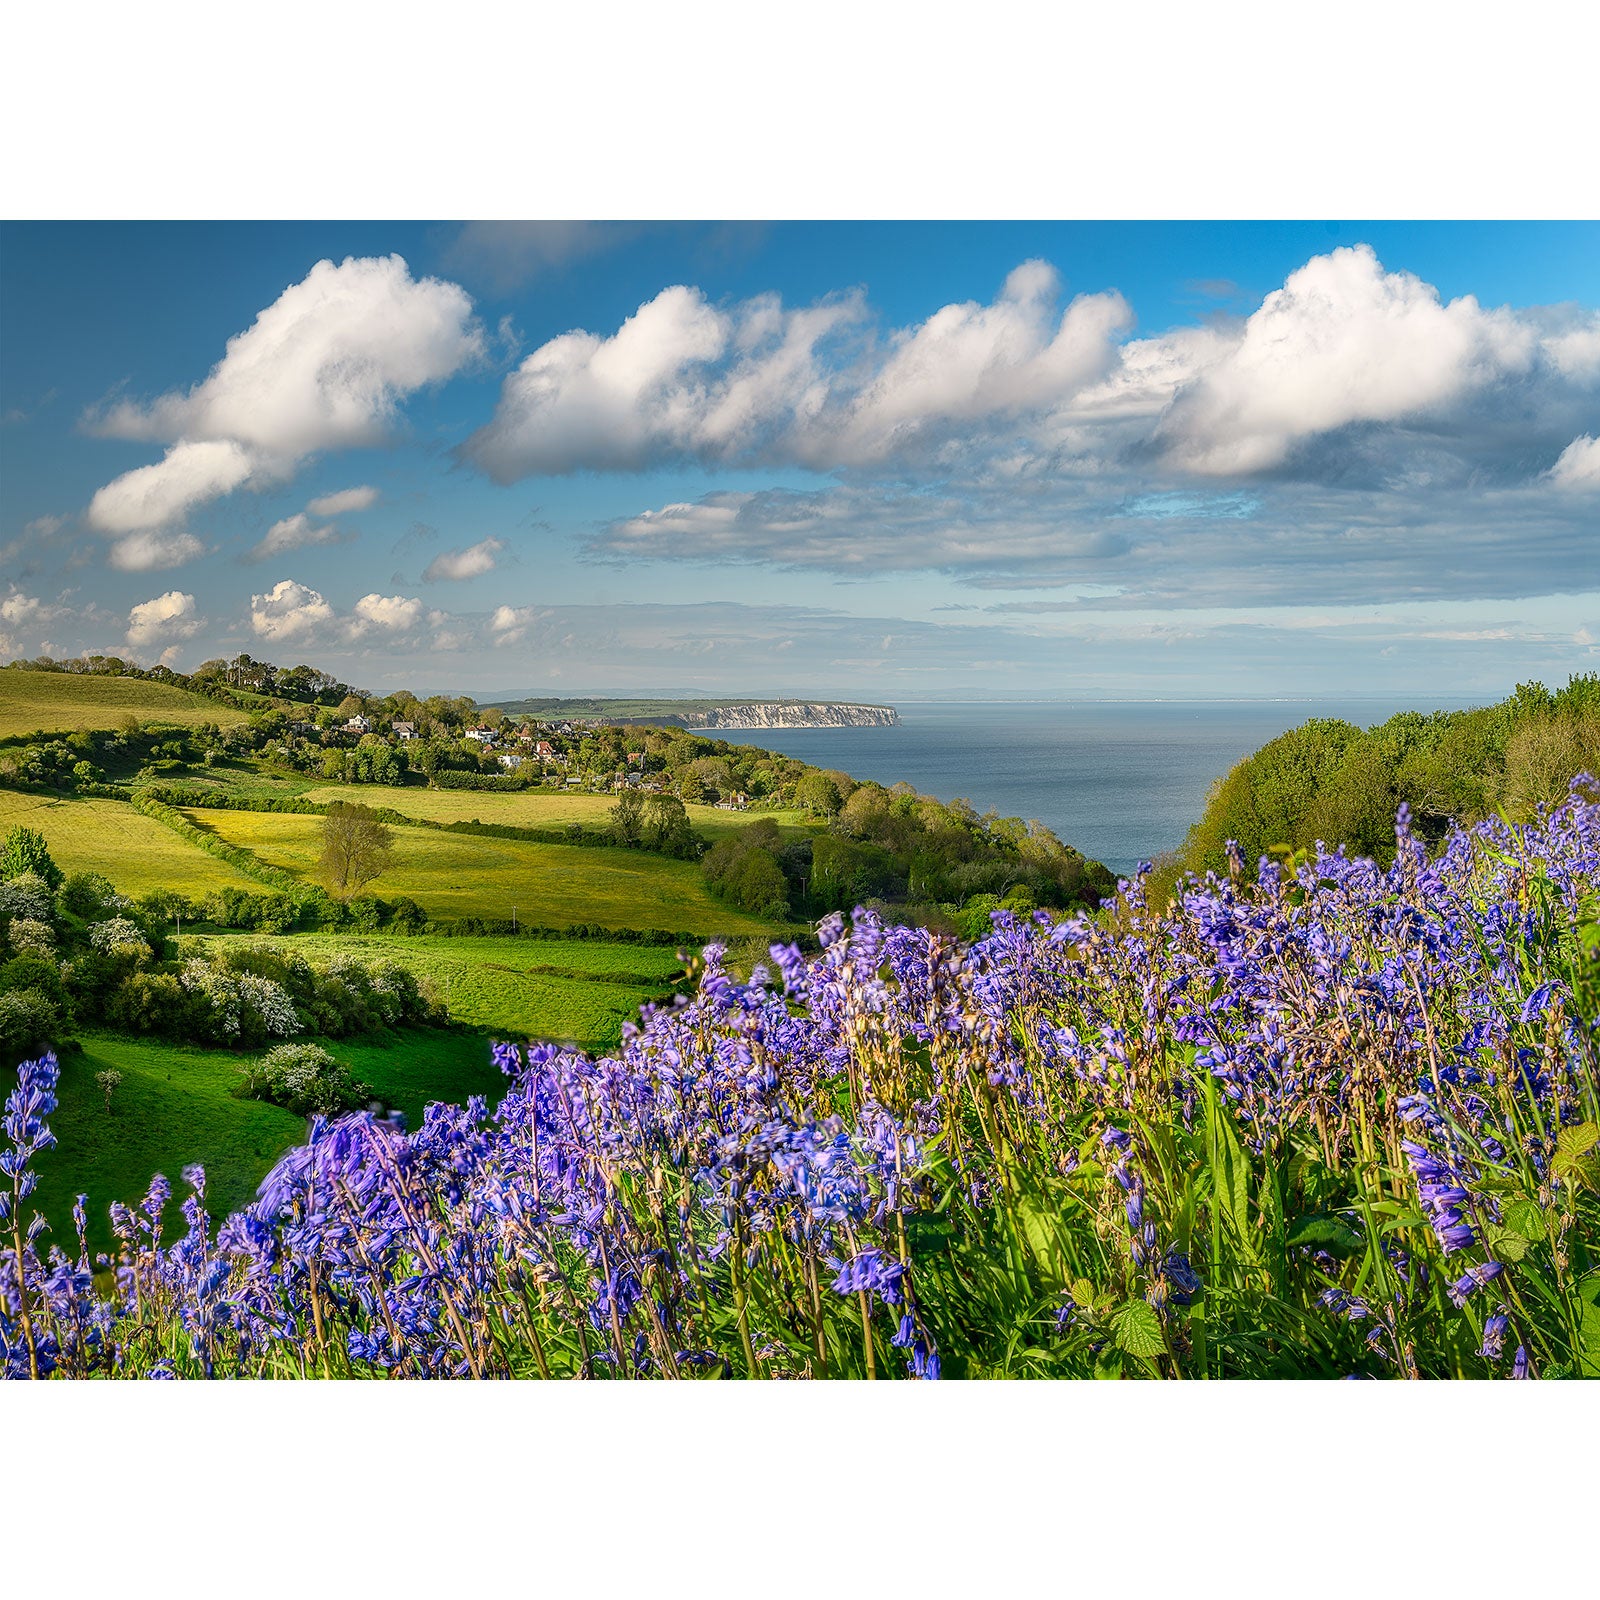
(405, 730)
(358, 724)
(544, 750)
(510, 761)
(481, 735)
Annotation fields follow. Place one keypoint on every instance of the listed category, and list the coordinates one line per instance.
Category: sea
(1119, 780)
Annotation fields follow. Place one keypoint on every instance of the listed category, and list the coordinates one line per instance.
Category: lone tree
(355, 847)
(108, 1082)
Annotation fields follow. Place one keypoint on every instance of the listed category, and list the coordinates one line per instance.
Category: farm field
(463, 875)
(176, 1105)
(109, 837)
(565, 989)
(58, 702)
(536, 808)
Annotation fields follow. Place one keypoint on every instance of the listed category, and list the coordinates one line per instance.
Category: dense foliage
(84, 955)
(1329, 780)
(1337, 1120)
(896, 847)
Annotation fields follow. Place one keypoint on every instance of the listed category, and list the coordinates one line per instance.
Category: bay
(1119, 780)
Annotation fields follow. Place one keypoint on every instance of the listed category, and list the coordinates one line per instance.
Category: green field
(464, 875)
(109, 837)
(61, 702)
(176, 1105)
(536, 808)
(578, 991)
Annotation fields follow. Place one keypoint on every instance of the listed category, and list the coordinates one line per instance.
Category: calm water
(1121, 782)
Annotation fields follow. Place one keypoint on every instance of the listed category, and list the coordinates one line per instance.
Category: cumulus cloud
(288, 610)
(471, 562)
(292, 533)
(153, 552)
(343, 502)
(684, 379)
(1578, 466)
(384, 613)
(1348, 372)
(163, 493)
(1343, 341)
(165, 621)
(324, 367)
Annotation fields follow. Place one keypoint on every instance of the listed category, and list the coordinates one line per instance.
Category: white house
(510, 762)
(481, 735)
(358, 724)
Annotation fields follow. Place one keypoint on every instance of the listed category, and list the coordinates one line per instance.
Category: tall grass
(1328, 1121)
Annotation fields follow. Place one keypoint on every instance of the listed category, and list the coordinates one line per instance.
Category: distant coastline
(711, 715)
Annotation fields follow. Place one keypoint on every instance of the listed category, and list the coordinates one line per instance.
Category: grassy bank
(575, 990)
(176, 1106)
(54, 702)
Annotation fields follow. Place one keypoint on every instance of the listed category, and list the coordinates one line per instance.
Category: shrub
(155, 1003)
(120, 939)
(29, 936)
(89, 896)
(24, 851)
(27, 896)
(29, 1023)
(305, 1079)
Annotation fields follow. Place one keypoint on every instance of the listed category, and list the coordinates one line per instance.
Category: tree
(22, 851)
(108, 1081)
(818, 794)
(355, 847)
(627, 818)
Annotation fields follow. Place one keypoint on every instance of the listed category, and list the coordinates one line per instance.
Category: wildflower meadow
(1326, 1119)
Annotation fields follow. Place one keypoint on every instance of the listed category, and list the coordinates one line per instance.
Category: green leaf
(1137, 1330)
(1578, 1141)
(1527, 1218)
(1588, 1351)
(1507, 1245)
(1322, 1230)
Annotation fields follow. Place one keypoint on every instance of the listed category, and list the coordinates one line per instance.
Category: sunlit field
(463, 875)
(57, 702)
(105, 836)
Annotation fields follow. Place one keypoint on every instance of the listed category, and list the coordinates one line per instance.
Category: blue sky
(892, 460)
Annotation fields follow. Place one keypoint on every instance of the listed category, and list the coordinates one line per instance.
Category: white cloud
(153, 552)
(343, 501)
(163, 493)
(292, 533)
(21, 610)
(1578, 466)
(508, 624)
(1347, 371)
(164, 621)
(388, 613)
(1341, 342)
(970, 363)
(472, 562)
(288, 610)
(683, 379)
(324, 367)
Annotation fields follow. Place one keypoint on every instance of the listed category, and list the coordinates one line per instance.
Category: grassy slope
(175, 1105)
(460, 875)
(59, 702)
(544, 988)
(106, 836)
(536, 809)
